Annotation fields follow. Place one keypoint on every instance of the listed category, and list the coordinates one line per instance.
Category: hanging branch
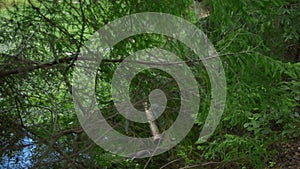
(153, 127)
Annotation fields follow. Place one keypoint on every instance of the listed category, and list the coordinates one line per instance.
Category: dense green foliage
(258, 43)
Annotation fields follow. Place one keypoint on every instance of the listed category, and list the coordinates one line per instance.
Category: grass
(9, 3)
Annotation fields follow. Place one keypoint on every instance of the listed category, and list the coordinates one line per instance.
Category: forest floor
(289, 156)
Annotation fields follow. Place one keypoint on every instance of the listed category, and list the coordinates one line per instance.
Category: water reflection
(20, 159)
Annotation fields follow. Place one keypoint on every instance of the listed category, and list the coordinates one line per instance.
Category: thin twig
(203, 164)
(173, 161)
